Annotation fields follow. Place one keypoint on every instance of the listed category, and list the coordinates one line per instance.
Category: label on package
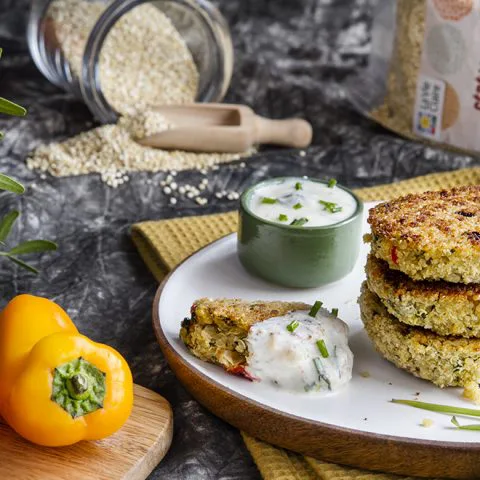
(429, 107)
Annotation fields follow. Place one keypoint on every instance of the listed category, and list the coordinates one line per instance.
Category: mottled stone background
(292, 56)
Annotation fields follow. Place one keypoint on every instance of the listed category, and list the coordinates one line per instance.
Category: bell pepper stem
(78, 387)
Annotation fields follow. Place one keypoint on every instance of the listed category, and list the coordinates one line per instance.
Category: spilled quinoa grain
(112, 152)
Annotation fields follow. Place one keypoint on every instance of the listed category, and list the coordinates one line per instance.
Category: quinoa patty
(445, 361)
(430, 236)
(446, 308)
(217, 328)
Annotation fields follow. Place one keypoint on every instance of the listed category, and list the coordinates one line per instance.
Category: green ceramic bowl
(298, 256)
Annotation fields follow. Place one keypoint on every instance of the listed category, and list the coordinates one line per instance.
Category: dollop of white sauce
(287, 196)
(292, 360)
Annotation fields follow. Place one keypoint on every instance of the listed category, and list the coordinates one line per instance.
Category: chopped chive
(331, 206)
(331, 183)
(335, 312)
(464, 427)
(298, 186)
(269, 200)
(297, 206)
(433, 407)
(299, 222)
(322, 348)
(292, 326)
(316, 307)
(282, 217)
(321, 372)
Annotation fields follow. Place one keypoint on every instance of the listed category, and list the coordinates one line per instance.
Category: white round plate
(363, 406)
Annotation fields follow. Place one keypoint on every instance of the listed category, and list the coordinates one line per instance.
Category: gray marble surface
(292, 56)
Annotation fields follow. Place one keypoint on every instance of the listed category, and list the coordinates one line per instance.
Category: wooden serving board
(131, 454)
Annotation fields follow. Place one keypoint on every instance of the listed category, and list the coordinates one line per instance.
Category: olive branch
(7, 222)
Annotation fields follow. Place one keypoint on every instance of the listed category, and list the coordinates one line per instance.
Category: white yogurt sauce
(292, 202)
(292, 360)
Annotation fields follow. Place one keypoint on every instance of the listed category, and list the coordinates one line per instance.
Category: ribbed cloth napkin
(163, 244)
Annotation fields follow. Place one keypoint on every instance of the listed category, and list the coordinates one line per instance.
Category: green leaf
(22, 264)
(10, 108)
(33, 246)
(7, 223)
(11, 185)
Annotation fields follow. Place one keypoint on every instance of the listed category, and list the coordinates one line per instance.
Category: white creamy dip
(294, 199)
(292, 360)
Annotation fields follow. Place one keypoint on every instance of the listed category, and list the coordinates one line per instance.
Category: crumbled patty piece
(446, 308)
(444, 361)
(217, 328)
(430, 236)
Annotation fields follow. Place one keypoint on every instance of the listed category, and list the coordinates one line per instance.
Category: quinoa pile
(421, 301)
(112, 152)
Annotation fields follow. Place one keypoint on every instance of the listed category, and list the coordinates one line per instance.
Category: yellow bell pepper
(23, 322)
(61, 387)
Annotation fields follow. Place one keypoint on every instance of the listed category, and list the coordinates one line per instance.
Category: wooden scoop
(211, 127)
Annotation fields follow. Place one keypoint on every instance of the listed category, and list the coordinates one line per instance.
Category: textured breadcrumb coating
(445, 361)
(446, 308)
(430, 236)
(217, 328)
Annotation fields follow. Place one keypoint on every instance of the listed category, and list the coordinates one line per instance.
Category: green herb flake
(269, 201)
(299, 222)
(322, 348)
(282, 218)
(291, 327)
(297, 206)
(298, 186)
(335, 312)
(331, 206)
(316, 307)
(332, 183)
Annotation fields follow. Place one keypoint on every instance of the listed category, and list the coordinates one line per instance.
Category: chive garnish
(298, 186)
(331, 206)
(299, 222)
(464, 427)
(321, 372)
(282, 217)
(434, 407)
(316, 307)
(292, 326)
(322, 348)
(331, 183)
(335, 312)
(297, 206)
(269, 200)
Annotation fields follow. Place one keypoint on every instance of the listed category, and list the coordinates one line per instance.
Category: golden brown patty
(445, 361)
(430, 236)
(217, 328)
(446, 308)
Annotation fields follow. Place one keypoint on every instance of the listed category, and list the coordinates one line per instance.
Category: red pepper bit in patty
(241, 372)
(394, 255)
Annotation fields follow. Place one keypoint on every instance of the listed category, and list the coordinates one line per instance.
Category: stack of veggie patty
(216, 330)
(421, 302)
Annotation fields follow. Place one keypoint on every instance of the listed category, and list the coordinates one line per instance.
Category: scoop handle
(292, 132)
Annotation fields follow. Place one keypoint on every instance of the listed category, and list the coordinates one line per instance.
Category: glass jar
(201, 26)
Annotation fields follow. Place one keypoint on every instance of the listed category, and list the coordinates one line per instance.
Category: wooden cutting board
(131, 454)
